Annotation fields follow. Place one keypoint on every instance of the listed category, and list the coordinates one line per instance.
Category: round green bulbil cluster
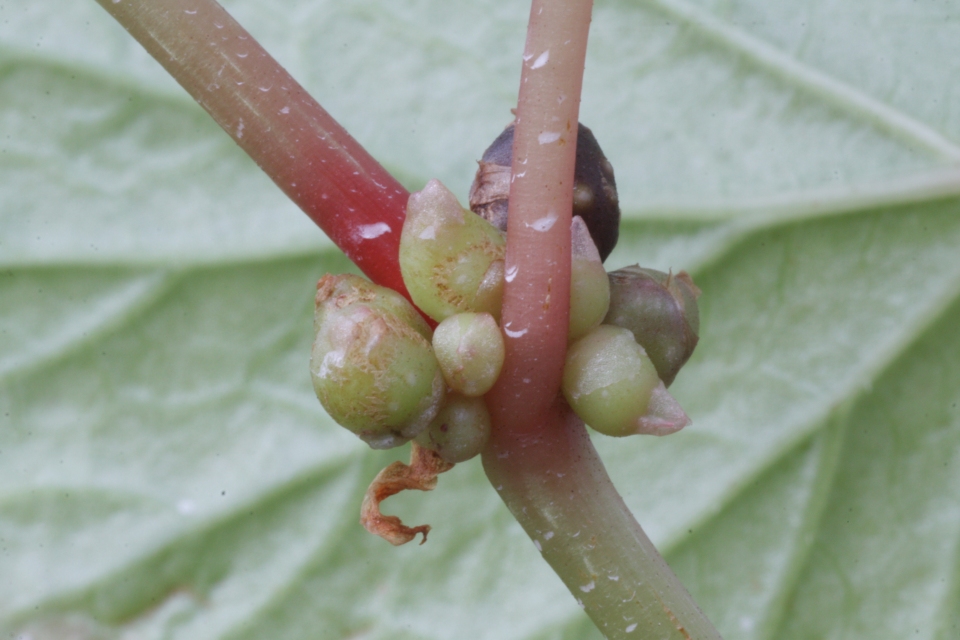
(376, 372)
(380, 372)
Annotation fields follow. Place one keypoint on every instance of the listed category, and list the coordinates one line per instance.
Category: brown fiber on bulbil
(488, 292)
(451, 259)
(372, 363)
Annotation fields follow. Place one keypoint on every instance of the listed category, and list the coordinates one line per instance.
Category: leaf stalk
(340, 186)
(540, 458)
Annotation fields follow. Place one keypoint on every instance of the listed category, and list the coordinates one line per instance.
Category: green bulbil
(470, 350)
(660, 309)
(589, 284)
(608, 380)
(451, 259)
(372, 364)
(460, 430)
(611, 383)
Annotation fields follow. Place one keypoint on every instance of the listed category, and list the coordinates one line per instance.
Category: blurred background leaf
(165, 471)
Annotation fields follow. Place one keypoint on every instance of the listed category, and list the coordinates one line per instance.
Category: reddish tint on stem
(540, 458)
(286, 132)
(536, 302)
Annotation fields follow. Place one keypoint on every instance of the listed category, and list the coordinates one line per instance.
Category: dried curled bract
(421, 474)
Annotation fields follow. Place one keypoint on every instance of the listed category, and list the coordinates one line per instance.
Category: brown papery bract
(421, 474)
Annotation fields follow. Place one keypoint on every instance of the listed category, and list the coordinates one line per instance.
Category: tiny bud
(460, 430)
(609, 382)
(589, 285)
(660, 309)
(664, 414)
(470, 350)
(372, 365)
(451, 259)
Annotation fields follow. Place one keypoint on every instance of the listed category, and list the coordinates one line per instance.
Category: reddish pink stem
(540, 458)
(536, 302)
(286, 132)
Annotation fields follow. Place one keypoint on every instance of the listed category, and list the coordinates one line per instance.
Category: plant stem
(312, 159)
(558, 489)
(536, 301)
(540, 458)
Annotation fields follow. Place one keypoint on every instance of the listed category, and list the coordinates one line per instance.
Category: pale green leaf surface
(165, 471)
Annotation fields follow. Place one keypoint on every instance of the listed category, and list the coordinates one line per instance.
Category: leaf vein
(838, 93)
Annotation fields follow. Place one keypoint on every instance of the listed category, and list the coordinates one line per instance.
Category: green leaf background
(166, 473)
